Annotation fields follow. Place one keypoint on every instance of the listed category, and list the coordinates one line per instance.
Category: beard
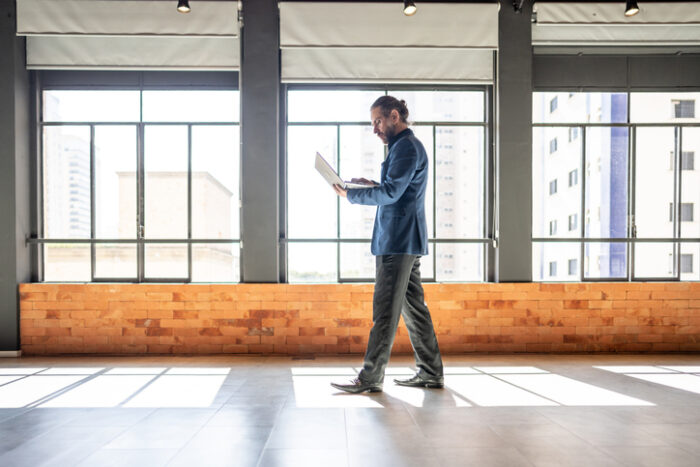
(389, 132)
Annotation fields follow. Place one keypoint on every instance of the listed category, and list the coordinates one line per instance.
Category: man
(399, 239)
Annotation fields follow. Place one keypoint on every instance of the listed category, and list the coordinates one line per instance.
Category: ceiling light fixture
(183, 6)
(632, 8)
(409, 8)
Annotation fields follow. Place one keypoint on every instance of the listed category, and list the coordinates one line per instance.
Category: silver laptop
(332, 177)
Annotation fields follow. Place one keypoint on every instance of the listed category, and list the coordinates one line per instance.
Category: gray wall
(514, 144)
(15, 153)
(592, 72)
(260, 90)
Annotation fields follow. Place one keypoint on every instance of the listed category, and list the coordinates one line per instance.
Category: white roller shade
(376, 42)
(147, 34)
(143, 53)
(387, 65)
(605, 24)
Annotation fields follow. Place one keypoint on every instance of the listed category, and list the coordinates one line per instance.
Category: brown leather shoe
(437, 382)
(357, 386)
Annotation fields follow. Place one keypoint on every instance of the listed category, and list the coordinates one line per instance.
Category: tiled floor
(524, 410)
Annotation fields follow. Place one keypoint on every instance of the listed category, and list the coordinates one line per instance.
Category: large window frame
(489, 176)
(141, 82)
(631, 238)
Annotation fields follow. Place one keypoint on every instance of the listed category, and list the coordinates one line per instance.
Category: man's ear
(395, 117)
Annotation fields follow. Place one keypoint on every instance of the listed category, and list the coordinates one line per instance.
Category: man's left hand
(339, 191)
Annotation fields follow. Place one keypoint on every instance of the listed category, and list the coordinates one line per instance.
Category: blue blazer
(399, 226)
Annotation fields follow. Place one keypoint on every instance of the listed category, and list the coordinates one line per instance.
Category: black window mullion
(679, 207)
(189, 202)
(584, 180)
(93, 257)
(337, 206)
(434, 207)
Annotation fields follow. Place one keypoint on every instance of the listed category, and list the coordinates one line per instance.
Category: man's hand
(364, 181)
(339, 191)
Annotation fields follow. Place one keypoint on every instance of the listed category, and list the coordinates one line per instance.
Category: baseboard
(10, 353)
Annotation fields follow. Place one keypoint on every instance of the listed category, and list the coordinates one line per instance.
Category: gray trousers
(398, 292)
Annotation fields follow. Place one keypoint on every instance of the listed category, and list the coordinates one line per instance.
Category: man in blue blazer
(399, 239)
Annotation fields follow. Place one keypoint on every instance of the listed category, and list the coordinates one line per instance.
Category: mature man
(399, 239)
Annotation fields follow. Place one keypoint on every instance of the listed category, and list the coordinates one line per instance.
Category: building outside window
(627, 182)
(553, 187)
(140, 185)
(553, 104)
(684, 108)
(573, 267)
(553, 227)
(573, 177)
(328, 238)
(573, 221)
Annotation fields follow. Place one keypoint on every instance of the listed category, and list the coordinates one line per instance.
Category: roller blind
(103, 34)
(376, 42)
(604, 24)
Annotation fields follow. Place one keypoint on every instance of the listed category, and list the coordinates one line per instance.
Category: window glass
(606, 182)
(67, 262)
(165, 184)
(550, 261)
(549, 201)
(331, 122)
(579, 107)
(216, 262)
(312, 262)
(91, 106)
(654, 260)
(312, 204)
(215, 182)
(115, 181)
(690, 183)
(191, 106)
(361, 156)
(107, 137)
(663, 107)
(66, 197)
(330, 106)
(443, 106)
(115, 261)
(605, 260)
(460, 177)
(165, 261)
(652, 214)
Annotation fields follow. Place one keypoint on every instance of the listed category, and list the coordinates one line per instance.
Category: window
(631, 192)
(140, 166)
(684, 108)
(553, 187)
(553, 227)
(686, 212)
(552, 268)
(573, 267)
(553, 104)
(686, 264)
(687, 160)
(335, 247)
(573, 133)
(553, 146)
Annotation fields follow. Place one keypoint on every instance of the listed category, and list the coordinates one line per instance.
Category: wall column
(15, 157)
(514, 143)
(260, 90)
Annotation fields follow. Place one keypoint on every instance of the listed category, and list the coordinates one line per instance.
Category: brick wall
(336, 319)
